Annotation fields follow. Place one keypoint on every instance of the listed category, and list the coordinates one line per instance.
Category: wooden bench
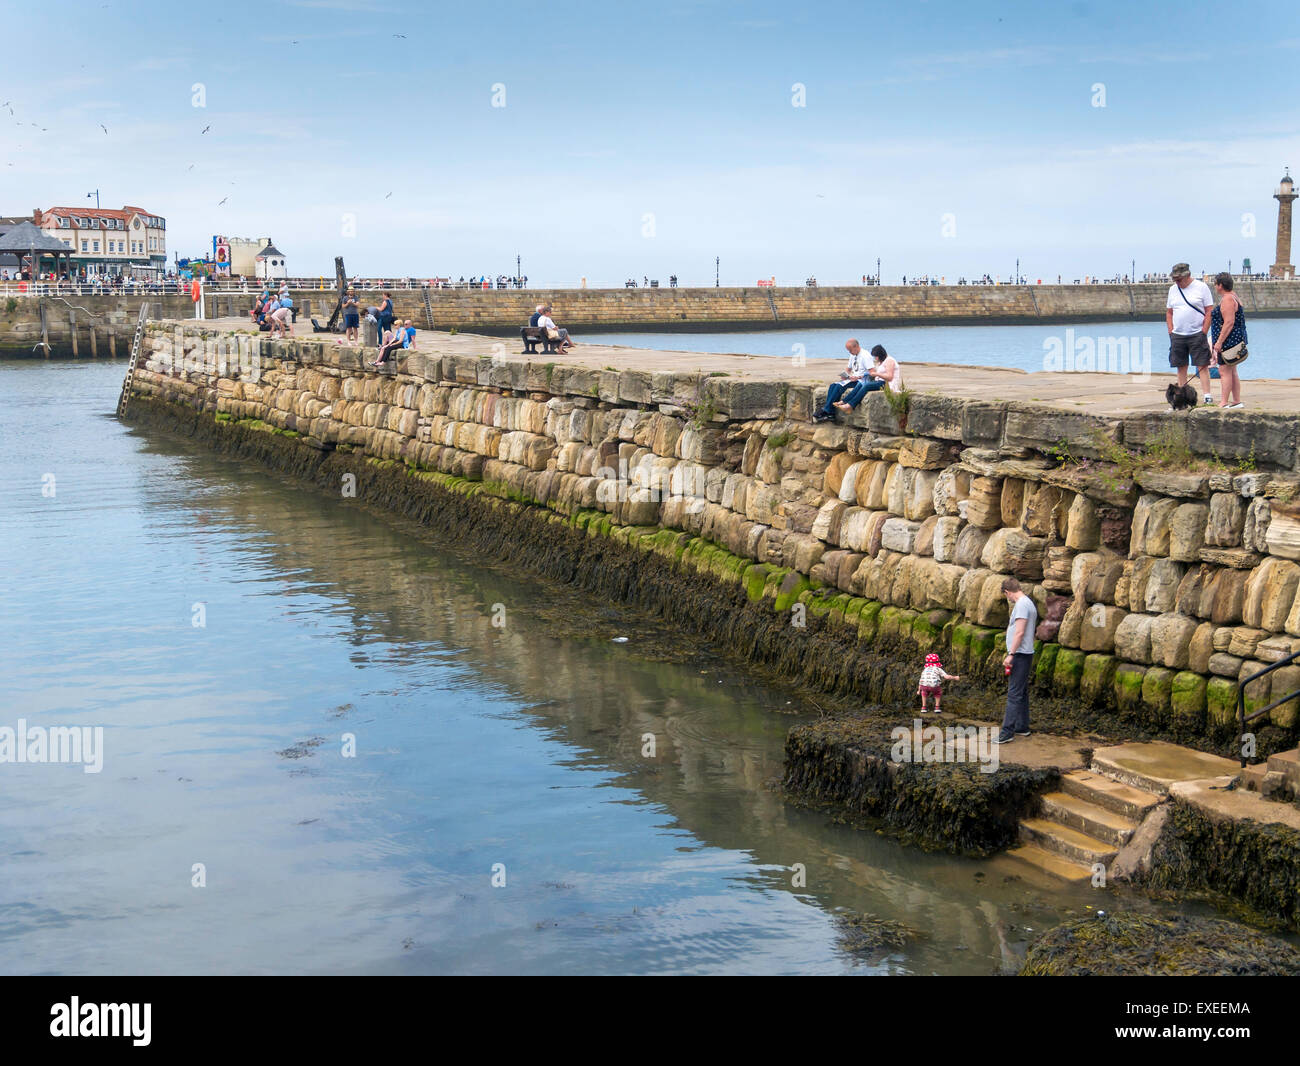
(530, 335)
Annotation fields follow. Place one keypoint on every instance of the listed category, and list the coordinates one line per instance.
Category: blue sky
(646, 139)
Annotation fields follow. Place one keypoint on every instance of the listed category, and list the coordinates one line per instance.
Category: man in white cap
(1187, 315)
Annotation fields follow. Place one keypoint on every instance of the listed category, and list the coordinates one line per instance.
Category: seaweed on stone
(866, 934)
(1158, 946)
(1249, 866)
(844, 763)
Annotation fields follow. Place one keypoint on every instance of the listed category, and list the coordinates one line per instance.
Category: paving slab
(1212, 796)
(1088, 393)
(1156, 765)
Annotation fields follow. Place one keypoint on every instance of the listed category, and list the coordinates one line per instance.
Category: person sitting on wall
(407, 333)
(853, 381)
(553, 332)
(886, 373)
(392, 340)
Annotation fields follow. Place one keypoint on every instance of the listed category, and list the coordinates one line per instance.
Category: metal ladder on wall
(428, 308)
(136, 345)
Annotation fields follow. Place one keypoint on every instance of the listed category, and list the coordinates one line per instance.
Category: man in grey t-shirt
(1018, 661)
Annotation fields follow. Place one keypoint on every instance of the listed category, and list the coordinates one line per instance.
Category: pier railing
(1242, 718)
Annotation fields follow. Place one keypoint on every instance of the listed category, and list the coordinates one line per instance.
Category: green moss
(1044, 664)
(1157, 689)
(1128, 687)
(792, 585)
(869, 621)
(1187, 701)
(754, 580)
(1097, 683)
(1221, 702)
(1068, 671)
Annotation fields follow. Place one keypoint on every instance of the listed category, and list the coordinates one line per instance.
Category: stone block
(1226, 519)
(1270, 594)
(1171, 635)
(1009, 551)
(1083, 525)
(899, 534)
(1132, 638)
(946, 531)
(1097, 633)
(1187, 531)
(1282, 537)
(1150, 532)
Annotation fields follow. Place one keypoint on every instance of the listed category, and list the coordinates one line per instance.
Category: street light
(717, 271)
(95, 194)
(877, 271)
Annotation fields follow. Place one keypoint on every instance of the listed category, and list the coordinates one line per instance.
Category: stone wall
(502, 311)
(1155, 594)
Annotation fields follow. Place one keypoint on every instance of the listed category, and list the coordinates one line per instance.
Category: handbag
(1235, 355)
(552, 334)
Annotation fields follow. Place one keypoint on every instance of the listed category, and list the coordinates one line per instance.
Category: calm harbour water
(1274, 343)
(475, 746)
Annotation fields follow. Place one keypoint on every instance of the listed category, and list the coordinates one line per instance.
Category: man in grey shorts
(1187, 314)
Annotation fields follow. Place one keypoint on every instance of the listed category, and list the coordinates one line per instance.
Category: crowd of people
(274, 310)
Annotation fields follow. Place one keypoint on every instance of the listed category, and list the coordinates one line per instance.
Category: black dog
(1180, 397)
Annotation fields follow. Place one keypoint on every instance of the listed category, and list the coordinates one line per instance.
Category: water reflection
(477, 745)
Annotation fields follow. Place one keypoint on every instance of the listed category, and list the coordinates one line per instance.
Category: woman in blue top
(1227, 330)
(386, 313)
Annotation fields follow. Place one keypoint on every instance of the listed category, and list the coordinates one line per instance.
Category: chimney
(36, 216)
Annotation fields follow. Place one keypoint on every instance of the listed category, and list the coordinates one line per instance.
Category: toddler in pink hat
(932, 679)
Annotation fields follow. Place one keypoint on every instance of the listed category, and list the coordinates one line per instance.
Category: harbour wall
(833, 555)
(504, 311)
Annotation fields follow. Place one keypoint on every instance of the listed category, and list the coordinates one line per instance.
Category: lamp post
(877, 271)
(717, 271)
(1017, 270)
(95, 194)
(518, 271)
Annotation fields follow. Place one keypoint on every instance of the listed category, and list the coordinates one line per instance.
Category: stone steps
(1039, 861)
(1278, 778)
(1088, 818)
(1106, 792)
(1073, 844)
(1085, 823)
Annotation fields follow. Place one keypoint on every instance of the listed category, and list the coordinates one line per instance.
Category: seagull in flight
(204, 130)
(190, 167)
(104, 128)
(223, 200)
(386, 197)
(401, 35)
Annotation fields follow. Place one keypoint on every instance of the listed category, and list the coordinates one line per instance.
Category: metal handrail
(1241, 700)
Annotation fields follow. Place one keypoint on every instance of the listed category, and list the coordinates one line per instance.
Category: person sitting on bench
(561, 335)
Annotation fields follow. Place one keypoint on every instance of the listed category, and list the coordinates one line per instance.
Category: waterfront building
(270, 263)
(1284, 196)
(129, 240)
(243, 253)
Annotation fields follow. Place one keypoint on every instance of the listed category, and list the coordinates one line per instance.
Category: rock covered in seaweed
(1148, 945)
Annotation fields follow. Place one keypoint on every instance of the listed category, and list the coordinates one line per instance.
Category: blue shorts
(351, 321)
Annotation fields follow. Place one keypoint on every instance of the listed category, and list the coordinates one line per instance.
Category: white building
(270, 263)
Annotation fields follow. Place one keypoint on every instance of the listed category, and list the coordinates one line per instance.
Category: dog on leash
(1180, 397)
